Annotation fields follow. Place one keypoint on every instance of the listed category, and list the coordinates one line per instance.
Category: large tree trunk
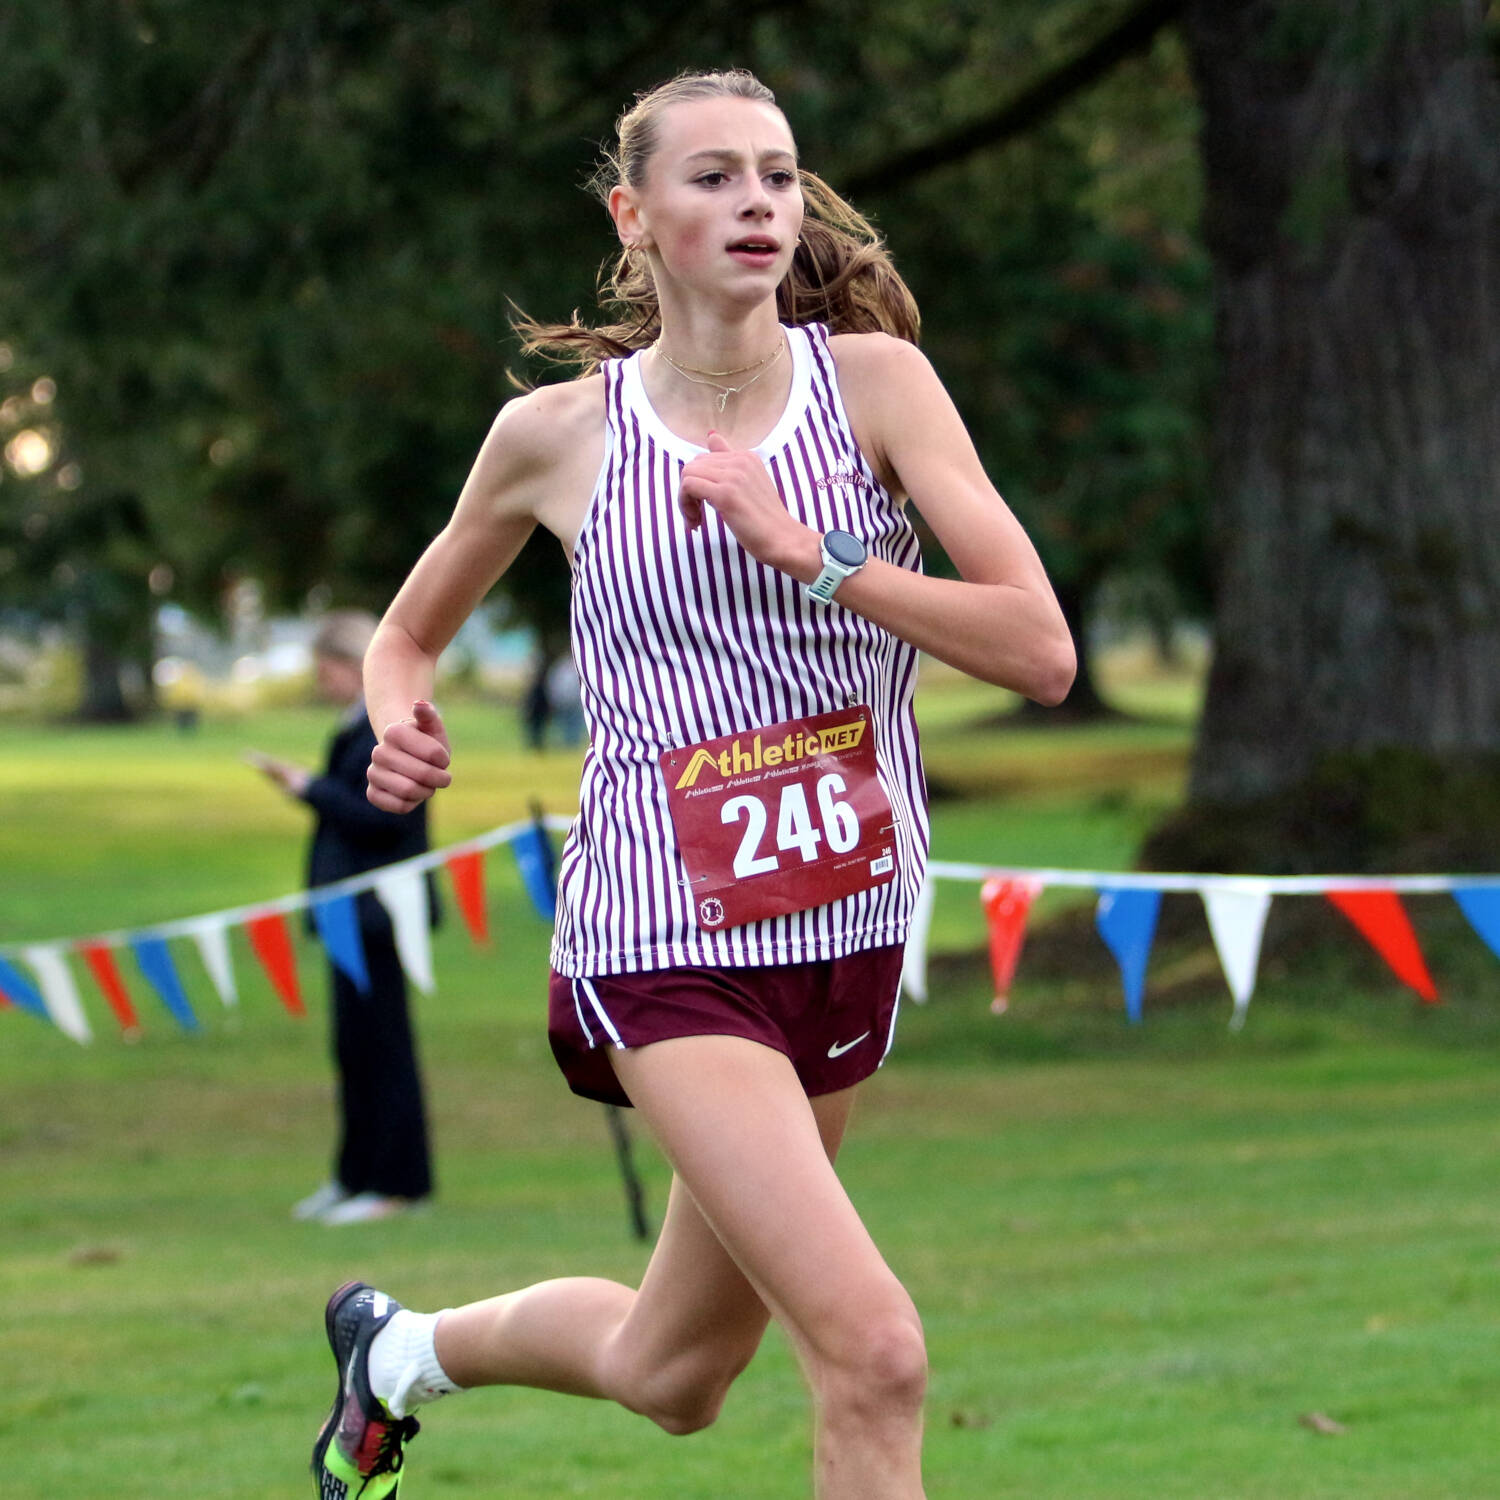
(103, 700)
(1352, 157)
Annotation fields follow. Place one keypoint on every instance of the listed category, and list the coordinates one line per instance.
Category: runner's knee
(686, 1394)
(686, 1409)
(876, 1372)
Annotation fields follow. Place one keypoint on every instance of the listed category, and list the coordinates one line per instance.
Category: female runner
(729, 478)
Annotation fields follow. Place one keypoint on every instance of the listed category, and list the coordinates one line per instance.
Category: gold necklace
(725, 391)
(738, 369)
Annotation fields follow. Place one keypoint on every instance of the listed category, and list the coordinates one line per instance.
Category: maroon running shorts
(834, 1018)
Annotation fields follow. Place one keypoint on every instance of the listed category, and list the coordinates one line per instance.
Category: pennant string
(466, 870)
(1006, 903)
(154, 960)
(21, 992)
(1126, 920)
(101, 963)
(1125, 916)
(914, 958)
(272, 945)
(403, 893)
(59, 992)
(1380, 917)
(337, 922)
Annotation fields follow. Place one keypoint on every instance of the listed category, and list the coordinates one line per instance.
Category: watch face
(844, 549)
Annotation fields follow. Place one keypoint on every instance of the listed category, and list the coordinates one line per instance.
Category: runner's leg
(751, 1155)
(745, 1143)
(669, 1350)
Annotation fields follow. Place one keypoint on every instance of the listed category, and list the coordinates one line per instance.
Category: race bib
(781, 818)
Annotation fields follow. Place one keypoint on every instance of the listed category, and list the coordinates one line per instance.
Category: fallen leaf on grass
(94, 1255)
(1320, 1423)
(960, 1418)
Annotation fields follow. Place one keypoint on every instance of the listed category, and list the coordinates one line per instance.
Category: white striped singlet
(683, 636)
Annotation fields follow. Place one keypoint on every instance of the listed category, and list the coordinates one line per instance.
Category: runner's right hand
(411, 761)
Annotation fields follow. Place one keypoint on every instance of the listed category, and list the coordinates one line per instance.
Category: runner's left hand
(738, 486)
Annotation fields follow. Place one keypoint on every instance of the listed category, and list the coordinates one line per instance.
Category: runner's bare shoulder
(538, 443)
(882, 380)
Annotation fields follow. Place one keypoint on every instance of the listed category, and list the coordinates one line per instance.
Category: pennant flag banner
(212, 939)
(272, 945)
(1126, 920)
(337, 921)
(20, 991)
(1237, 920)
(914, 958)
(60, 992)
(1125, 915)
(533, 851)
(101, 962)
(403, 893)
(1006, 904)
(50, 992)
(1481, 905)
(155, 961)
(467, 873)
(1379, 915)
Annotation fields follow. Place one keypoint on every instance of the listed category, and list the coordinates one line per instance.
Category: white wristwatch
(843, 555)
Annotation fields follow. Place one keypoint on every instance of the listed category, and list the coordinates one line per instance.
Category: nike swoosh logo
(840, 1048)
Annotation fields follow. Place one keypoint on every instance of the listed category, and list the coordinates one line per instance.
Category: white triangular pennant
(403, 893)
(914, 960)
(55, 980)
(212, 940)
(1237, 919)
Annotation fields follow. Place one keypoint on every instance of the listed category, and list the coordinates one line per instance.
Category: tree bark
(103, 699)
(1352, 159)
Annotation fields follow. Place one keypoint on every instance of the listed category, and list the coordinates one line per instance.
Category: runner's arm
(999, 620)
(496, 512)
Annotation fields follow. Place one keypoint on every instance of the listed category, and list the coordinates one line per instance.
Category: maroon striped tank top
(681, 637)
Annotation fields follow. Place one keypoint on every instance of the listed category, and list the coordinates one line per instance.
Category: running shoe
(359, 1452)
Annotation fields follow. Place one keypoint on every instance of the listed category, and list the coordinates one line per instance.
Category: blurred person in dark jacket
(382, 1165)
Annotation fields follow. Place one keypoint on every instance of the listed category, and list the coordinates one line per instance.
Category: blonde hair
(841, 272)
(345, 634)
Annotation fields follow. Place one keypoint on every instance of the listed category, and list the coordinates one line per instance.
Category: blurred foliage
(1071, 315)
(266, 253)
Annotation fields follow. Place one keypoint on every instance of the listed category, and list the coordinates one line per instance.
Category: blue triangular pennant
(155, 960)
(1481, 905)
(1126, 920)
(337, 921)
(19, 989)
(533, 851)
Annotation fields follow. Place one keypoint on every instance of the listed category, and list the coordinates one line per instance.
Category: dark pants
(383, 1146)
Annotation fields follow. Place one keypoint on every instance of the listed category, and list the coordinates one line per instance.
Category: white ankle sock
(404, 1368)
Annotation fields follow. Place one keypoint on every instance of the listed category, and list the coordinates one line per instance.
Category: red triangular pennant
(273, 947)
(1382, 920)
(102, 966)
(467, 871)
(1006, 906)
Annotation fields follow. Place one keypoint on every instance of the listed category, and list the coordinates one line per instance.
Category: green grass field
(1145, 1256)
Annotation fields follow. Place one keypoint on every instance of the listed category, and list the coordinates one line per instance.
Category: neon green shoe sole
(361, 1447)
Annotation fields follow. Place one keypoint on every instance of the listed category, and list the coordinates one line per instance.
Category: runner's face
(721, 206)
